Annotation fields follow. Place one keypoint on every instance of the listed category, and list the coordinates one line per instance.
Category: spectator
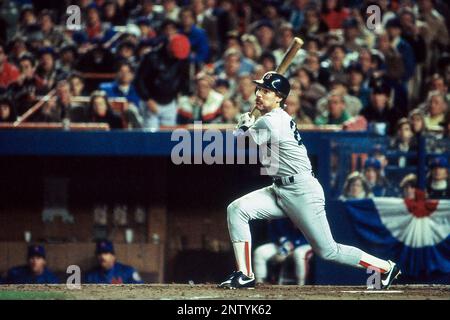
(436, 110)
(313, 25)
(378, 151)
(171, 9)
(356, 187)
(47, 69)
(408, 186)
(438, 185)
(437, 83)
(311, 91)
(285, 240)
(352, 104)
(403, 48)
(335, 70)
(293, 108)
(34, 272)
(245, 97)
(356, 84)
(267, 60)
(197, 37)
(286, 36)
(208, 21)
(250, 47)
(108, 270)
(112, 13)
(296, 12)
(126, 52)
(7, 110)
(52, 36)
(123, 86)
(204, 105)
(222, 86)
(265, 33)
(336, 113)
(232, 67)
(147, 10)
(352, 35)
(17, 50)
(417, 121)
(145, 26)
(59, 107)
(229, 112)
(334, 14)
(163, 73)
(97, 60)
(68, 56)
(100, 111)
(378, 184)
(94, 28)
(8, 72)
(379, 114)
(404, 141)
(24, 91)
(76, 83)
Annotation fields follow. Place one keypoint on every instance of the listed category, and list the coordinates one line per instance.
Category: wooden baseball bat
(289, 55)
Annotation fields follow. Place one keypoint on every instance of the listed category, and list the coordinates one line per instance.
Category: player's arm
(259, 130)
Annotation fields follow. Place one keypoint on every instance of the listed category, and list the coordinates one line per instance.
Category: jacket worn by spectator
(114, 90)
(199, 45)
(190, 109)
(23, 275)
(118, 274)
(161, 77)
(8, 74)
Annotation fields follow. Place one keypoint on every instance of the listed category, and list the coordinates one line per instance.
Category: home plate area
(210, 291)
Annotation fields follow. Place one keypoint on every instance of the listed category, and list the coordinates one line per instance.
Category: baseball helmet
(274, 82)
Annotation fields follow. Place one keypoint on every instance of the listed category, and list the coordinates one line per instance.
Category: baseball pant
(304, 203)
(265, 252)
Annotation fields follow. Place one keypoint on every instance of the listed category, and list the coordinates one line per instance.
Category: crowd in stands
(174, 62)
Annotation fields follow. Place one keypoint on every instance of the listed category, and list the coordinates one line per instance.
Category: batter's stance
(295, 192)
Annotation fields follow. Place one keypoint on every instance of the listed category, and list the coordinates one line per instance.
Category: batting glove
(245, 121)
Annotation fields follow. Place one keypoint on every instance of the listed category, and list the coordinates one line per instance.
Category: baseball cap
(179, 46)
(439, 162)
(393, 23)
(104, 246)
(372, 163)
(377, 149)
(36, 250)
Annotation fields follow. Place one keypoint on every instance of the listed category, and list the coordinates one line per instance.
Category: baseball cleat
(238, 280)
(227, 282)
(388, 277)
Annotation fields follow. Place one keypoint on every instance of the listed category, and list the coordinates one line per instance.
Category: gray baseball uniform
(302, 200)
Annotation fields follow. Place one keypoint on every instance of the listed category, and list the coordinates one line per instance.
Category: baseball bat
(289, 55)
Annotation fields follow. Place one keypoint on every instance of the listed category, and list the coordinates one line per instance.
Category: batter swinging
(295, 192)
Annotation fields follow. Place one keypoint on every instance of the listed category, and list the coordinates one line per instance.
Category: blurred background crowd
(160, 63)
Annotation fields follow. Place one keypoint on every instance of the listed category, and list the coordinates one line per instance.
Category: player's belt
(282, 181)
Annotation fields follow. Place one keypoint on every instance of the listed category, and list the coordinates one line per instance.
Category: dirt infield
(202, 292)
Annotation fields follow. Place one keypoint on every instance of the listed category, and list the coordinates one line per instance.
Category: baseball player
(286, 239)
(295, 192)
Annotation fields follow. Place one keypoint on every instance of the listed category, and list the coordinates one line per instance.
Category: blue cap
(104, 246)
(143, 20)
(372, 163)
(46, 50)
(378, 148)
(439, 162)
(36, 250)
(265, 23)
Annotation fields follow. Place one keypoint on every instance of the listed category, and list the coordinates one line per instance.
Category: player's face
(36, 264)
(266, 100)
(106, 260)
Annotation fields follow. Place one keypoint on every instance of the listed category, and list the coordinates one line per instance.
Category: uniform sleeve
(133, 277)
(260, 131)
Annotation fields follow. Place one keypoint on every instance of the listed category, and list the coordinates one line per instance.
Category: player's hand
(245, 120)
(152, 106)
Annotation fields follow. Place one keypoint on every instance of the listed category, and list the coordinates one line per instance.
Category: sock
(368, 260)
(242, 252)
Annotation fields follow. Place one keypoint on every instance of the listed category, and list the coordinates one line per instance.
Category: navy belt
(286, 180)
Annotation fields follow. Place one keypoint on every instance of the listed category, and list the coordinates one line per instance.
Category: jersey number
(296, 133)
